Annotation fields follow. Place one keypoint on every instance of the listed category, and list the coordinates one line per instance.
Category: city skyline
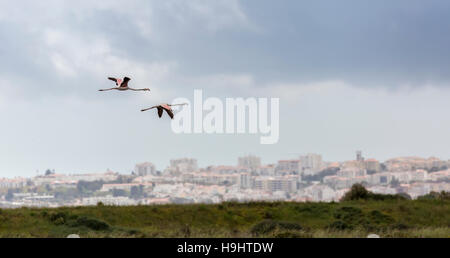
(308, 178)
(202, 165)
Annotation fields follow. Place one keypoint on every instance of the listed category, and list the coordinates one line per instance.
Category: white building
(288, 167)
(145, 169)
(311, 164)
(321, 193)
(184, 165)
(49, 179)
(245, 181)
(13, 183)
(351, 172)
(267, 170)
(251, 162)
(273, 184)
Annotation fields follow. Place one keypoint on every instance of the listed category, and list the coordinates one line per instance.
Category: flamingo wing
(170, 113)
(160, 111)
(117, 81)
(125, 82)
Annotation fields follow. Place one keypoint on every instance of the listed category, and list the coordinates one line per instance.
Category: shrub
(268, 226)
(351, 217)
(59, 221)
(399, 226)
(268, 215)
(58, 218)
(435, 196)
(340, 225)
(348, 218)
(72, 217)
(404, 195)
(314, 209)
(288, 235)
(289, 226)
(264, 227)
(91, 223)
(378, 217)
(44, 213)
(348, 214)
(133, 232)
(186, 230)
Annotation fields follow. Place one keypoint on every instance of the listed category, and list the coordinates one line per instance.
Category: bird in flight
(123, 85)
(166, 107)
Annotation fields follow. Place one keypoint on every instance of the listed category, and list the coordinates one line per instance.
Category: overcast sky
(351, 75)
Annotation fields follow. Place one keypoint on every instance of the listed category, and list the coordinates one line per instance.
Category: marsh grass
(388, 218)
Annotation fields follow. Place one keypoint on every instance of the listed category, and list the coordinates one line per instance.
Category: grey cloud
(56, 54)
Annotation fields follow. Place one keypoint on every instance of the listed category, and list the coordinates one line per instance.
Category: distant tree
(358, 191)
(134, 192)
(436, 169)
(443, 195)
(405, 195)
(87, 186)
(48, 172)
(319, 176)
(137, 192)
(122, 179)
(65, 194)
(118, 192)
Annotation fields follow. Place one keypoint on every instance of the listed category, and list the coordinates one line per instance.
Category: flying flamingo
(123, 85)
(166, 107)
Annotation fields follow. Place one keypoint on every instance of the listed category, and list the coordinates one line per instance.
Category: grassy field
(392, 218)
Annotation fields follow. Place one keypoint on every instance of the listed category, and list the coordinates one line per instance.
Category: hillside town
(307, 178)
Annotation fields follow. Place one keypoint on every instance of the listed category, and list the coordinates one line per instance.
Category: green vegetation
(388, 218)
(359, 192)
(436, 196)
(359, 213)
(319, 176)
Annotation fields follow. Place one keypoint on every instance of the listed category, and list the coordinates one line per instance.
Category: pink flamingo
(123, 85)
(166, 107)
